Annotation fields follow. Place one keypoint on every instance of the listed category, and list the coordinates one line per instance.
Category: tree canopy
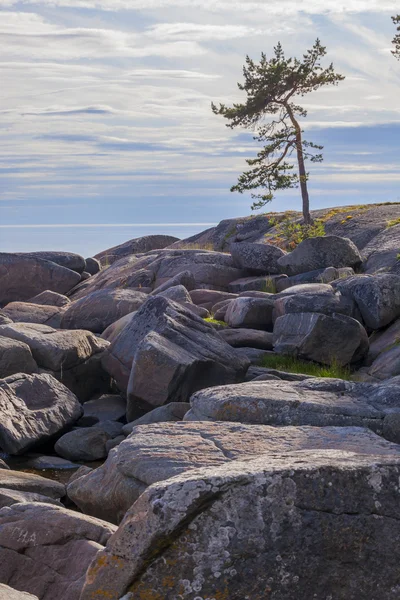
(396, 39)
(271, 87)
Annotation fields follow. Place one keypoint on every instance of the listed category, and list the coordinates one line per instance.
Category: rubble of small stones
(153, 447)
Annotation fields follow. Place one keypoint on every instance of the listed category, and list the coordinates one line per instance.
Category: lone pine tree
(271, 87)
(396, 39)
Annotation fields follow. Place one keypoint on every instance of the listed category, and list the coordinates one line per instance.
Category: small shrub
(290, 234)
(289, 364)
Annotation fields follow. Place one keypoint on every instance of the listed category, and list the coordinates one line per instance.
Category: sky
(106, 130)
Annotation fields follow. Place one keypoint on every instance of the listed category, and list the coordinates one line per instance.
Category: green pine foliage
(396, 39)
(271, 110)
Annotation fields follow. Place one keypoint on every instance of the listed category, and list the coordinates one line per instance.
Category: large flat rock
(306, 524)
(317, 402)
(156, 452)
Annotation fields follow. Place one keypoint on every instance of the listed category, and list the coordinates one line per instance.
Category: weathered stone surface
(48, 298)
(267, 283)
(167, 345)
(185, 278)
(135, 246)
(383, 340)
(27, 312)
(210, 269)
(54, 349)
(317, 402)
(209, 298)
(377, 297)
(325, 339)
(96, 311)
(251, 313)
(387, 364)
(319, 253)
(19, 481)
(113, 330)
(23, 277)
(15, 357)
(93, 266)
(382, 250)
(248, 338)
(174, 411)
(268, 525)
(33, 408)
(7, 593)
(84, 443)
(307, 288)
(109, 407)
(156, 452)
(177, 293)
(10, 497)
(325, 304)
(46, 549)
(318, 276)
(259, 258)
(69, 260)
(112, 428)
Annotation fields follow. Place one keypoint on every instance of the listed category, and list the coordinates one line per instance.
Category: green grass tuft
(393, 222)
(216, 322)
(289, 364)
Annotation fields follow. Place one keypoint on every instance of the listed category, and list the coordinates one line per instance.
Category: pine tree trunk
(302, 169)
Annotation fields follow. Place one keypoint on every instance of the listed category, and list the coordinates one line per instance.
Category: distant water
(86, 239)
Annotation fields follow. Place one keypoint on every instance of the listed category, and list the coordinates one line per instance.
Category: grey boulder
(27, 312)
(247, 338)
(83, 443)
(165, 353)
(23, 277)
(47, 549)
(250, 313)
(377, 297)
(135, 246)
(319, 253)
(69, 260)
(174, 411)
(96, 311)
(258, 258)
(15, 357)
(48, 298)
(306, 524)
(33, 408)
(335, 339)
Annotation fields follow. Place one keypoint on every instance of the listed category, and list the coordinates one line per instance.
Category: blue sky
(105, 113)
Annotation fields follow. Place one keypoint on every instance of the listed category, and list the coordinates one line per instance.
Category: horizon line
(66, 225)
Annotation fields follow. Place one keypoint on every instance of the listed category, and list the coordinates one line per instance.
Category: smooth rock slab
(48, 298)
(301, 526)
(32, 409)
(156, 452)
(174, 411)
(248, 338)
(317, 402)
(23, 277)
(47, 549)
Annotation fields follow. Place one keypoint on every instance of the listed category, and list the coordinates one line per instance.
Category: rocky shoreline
(176, 385)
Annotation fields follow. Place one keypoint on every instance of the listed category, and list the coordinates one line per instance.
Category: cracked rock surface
(300, 525)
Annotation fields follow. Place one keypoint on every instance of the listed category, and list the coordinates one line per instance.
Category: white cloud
(201, 32)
